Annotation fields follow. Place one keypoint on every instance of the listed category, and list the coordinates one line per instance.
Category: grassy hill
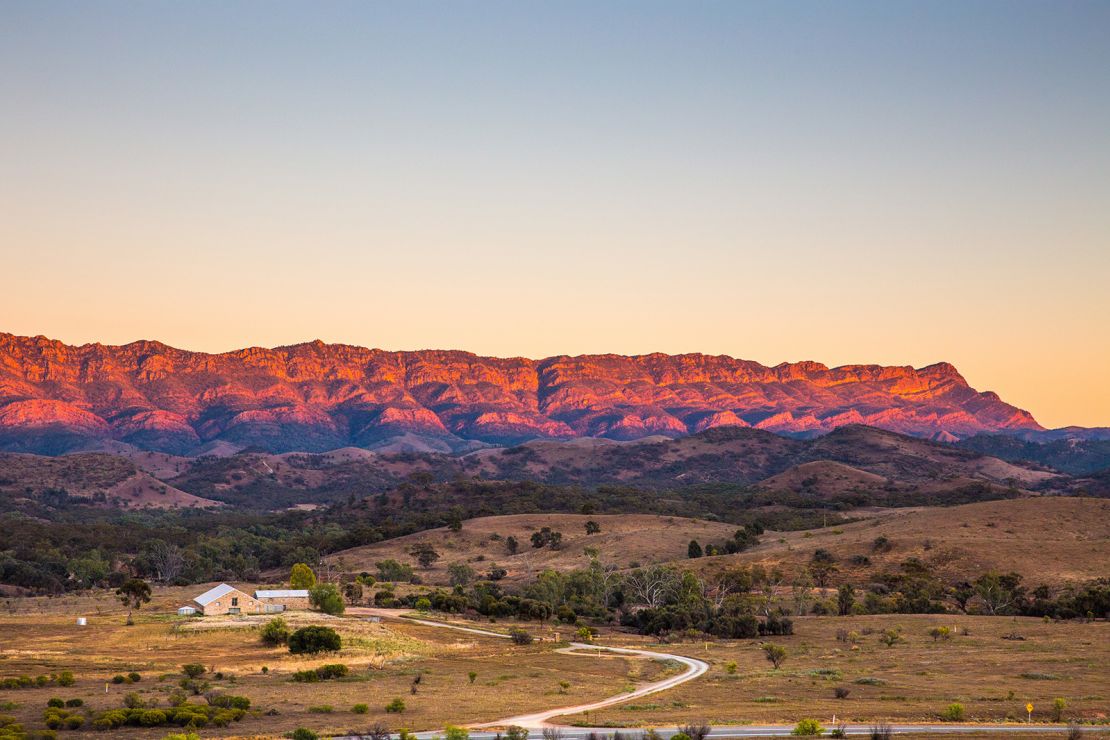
(626, 540)
(1047, 540)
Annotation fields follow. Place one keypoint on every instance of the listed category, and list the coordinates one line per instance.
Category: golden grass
(915, 680)
(1047, 540)
(384, 658)
(626, 540)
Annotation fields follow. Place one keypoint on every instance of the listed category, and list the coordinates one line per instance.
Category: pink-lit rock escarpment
(55, 397)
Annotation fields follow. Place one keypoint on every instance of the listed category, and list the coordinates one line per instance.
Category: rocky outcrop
(317, 396)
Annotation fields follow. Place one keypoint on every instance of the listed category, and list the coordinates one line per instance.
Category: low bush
(314, 639)
(227, 701)
(396, 706)
(360, 708)
(275, 632)
(185, 715)
(954, 712)
(808, 728)
(323, 673)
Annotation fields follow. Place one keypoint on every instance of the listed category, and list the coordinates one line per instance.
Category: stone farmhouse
(226, 599)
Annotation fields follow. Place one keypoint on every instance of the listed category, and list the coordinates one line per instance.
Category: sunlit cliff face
(317, 396)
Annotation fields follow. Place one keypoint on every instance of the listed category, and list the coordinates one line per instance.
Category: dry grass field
(912, 681)
(624, 539)
(384, 658)
(1048, 540)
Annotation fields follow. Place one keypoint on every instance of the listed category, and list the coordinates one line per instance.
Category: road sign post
(1029, 712)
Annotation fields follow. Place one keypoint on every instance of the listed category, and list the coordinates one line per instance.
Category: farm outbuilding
(187, 611)
(276, 600)
(225, 599)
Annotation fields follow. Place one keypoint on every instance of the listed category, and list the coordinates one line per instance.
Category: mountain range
(57, 398)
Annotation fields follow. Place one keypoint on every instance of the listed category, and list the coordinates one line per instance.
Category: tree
(301, 576)
(326, 598)
(133, 593)
(393, 571)
(845, 599)
(520, 637)
(651, 586)
(592, 527)
(693, 550)
(166, 559)
(511, 545)
(352, 592)
(546, 537)
(425, 554)
(454, 521)
(314, 639)
(999, 592)
(775, 654)
(961, 593)
(460, 574)
(821, 566)
(275, 632)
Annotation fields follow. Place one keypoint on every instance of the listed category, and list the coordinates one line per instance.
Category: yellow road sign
(1029, 708)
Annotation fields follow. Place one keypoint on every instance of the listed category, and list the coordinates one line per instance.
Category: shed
(187, 611)
(280, 599)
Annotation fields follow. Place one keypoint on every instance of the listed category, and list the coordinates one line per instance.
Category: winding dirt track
(535, 720)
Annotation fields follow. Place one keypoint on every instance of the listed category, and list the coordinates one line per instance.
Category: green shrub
(326, 598)
(134, 677)
(75, 702)
(520, 637)
(303, 733)
(275, 632)
(451, 732)
(193, 670)
(809, 728)
(954, 712)
(152, 718)
(55, 702)
(323, 673)
(321, 709)
(119, 678)
(65, 678)
(396, 706)
(74, 721)
(422, 604)
(360, 708)
(227, 701)
(314, 639)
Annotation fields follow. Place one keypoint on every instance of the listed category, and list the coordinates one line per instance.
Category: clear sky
(887, 182)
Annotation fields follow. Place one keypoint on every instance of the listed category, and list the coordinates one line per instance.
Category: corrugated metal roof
(212, 594)
(282, 594)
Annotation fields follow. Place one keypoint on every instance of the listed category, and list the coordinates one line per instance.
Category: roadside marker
(1029, 711)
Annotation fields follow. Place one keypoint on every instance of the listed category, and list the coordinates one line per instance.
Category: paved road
(539, 720)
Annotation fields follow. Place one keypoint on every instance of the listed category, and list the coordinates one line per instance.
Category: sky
(883, 182)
